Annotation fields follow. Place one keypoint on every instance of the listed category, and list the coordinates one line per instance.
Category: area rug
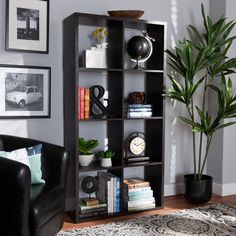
(215, 219)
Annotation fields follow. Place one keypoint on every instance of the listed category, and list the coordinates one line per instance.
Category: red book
(86, 103)
(81, 103)
(78, 102)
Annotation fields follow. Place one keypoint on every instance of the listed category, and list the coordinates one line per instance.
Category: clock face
(137, 145)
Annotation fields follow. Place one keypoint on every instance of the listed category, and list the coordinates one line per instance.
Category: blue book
(117, 206)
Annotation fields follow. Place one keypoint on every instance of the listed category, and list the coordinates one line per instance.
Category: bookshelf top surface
(83, 16)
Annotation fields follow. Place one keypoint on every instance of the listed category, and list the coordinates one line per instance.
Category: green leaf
(225, 125)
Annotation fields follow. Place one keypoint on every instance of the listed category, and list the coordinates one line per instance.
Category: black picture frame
(27, 26)
(25, 91)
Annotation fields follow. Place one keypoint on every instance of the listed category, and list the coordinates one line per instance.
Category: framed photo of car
(25, 91)
(27, 25)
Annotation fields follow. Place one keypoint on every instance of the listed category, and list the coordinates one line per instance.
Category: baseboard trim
(224, 189)
(173, 189)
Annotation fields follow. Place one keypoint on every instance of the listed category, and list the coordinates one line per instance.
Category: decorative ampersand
(98, 110)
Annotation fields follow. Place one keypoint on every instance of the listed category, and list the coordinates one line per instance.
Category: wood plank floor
(172, 204)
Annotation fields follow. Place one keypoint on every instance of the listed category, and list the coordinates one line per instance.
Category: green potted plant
(106, 157)
(85, 151)
(200, 65)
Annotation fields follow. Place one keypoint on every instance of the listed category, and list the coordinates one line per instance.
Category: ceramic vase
(106, 162)
(85, 160)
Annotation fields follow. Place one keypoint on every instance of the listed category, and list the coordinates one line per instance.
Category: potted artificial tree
(105, 157)
(201, 65)
(85, 151)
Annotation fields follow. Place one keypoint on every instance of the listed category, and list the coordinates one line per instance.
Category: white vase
(106, 162)
(99, 45)
(85, 160)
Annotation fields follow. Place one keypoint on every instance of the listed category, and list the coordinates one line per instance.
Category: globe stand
(138, 66)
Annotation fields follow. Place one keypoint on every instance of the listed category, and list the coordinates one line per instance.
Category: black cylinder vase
(198, 191)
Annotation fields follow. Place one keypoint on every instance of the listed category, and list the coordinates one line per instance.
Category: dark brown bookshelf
(119, 70)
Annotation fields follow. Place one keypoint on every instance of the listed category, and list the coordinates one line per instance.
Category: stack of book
(90, 207)
(138, 110)
(83, 103)
(109, 191)
(138, 195)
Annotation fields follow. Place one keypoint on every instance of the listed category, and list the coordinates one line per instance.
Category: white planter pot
(106, 162)
(85, 160)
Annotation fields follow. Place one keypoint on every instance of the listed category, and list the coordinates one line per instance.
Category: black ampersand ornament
(98, 110)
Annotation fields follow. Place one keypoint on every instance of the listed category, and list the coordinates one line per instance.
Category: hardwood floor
(172, 204)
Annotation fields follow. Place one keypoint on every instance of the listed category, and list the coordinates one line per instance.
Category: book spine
(137, 190)
(139, 109)
(139, 114)
(140, 202)
(93, 210)
(143, 207)
(139, 105)
(86, 103)
(109, 196)
(81, 103)
(78, 103)
(113, 179)
(138, 197)
(117, 208)
(82, 208)
(136, 185)
(92, 214)
(142, 191)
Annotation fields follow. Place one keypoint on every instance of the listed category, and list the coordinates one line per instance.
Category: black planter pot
(198, 191)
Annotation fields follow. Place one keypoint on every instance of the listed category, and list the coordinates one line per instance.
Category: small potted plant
(85, 151)
(99, 35)
(105, 157)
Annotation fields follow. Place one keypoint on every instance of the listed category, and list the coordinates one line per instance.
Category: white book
(113, 181)
(140, 202)
(144, 207)
(137, 189)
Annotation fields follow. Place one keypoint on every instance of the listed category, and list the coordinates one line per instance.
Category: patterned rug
(216, 219)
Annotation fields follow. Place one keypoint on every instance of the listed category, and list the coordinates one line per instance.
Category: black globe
(139, 48)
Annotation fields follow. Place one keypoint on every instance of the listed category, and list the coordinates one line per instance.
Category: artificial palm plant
(198, 63)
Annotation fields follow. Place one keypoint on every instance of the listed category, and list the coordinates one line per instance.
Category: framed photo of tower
(27, 25)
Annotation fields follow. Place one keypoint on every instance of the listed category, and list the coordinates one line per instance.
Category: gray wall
(222, 159)
(215, 161)
(177, 13)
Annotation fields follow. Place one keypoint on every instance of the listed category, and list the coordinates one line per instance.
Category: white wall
(177, 13)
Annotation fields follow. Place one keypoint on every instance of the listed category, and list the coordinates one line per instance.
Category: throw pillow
(19, 155)
(34, 155)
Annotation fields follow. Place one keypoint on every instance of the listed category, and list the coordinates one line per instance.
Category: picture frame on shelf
(27, 26)
(25, 91)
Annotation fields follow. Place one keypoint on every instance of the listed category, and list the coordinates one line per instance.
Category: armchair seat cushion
(45, 203)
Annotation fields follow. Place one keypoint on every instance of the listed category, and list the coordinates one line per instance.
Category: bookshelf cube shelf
(118, 79)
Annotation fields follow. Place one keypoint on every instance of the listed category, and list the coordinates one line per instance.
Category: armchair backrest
(54, 157)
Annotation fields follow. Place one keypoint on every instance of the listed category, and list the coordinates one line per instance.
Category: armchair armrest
(55, 162)
(14, 196)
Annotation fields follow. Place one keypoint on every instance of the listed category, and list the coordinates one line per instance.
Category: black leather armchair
(32, 210)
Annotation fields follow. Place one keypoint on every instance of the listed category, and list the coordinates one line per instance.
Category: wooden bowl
(134, 14)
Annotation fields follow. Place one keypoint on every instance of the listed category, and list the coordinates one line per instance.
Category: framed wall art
(27, 25)
(25, 91)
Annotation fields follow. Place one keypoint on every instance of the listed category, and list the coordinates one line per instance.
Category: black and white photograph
(25, 91)
(27, 25)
